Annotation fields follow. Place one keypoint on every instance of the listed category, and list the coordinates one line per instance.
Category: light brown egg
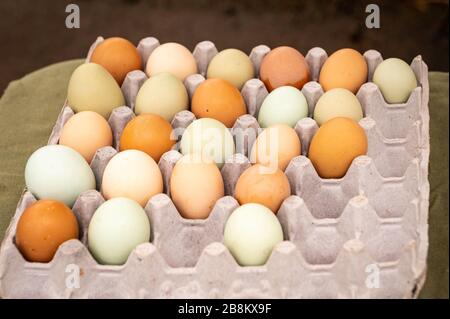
(345, 68)
(218, 99)
(195, 186)
(86, 132)
(118, 56)
(258, 184)
(173, 58)
(335, 145)
(149, 133)
(276, 146)
(43, 227)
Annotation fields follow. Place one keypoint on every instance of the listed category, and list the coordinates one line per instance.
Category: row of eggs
(148, 136)
(120, 224)
(58, 174)
(283, 70)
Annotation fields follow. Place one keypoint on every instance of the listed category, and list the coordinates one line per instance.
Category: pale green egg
(58, 172)
(251, 232)
(396, 80)
(284, 105)
(116, 228)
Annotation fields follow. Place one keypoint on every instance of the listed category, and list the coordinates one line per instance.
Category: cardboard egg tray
(362, 236)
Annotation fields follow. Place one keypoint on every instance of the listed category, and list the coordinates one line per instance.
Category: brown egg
(86, 132)
(284, 66)
(334, 146)
(218, 99)
(149, 133)
(345, 68)
(258, 184)
(118, 56)
(43, 227)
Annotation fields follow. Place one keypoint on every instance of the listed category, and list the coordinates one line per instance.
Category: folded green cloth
(30, 106)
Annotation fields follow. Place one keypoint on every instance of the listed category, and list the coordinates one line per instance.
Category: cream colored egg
(164, 95)
(210, 138)
(92, 88)
(195, 186)
(132, 174)
(337, 103)
(173, 58)
(232, 65)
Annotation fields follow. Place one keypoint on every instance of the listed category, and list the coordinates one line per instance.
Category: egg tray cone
(362, 236)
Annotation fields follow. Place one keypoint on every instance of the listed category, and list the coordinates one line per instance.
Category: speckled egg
(43, 227)
(218, 99)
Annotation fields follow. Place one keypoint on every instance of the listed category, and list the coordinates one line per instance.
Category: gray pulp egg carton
(362, 236)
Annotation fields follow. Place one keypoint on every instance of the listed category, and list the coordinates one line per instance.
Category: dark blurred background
(33, 33)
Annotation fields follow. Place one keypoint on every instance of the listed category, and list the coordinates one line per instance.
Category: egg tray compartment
(397, 240)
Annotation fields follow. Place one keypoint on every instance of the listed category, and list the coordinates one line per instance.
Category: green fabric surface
(30, 106)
